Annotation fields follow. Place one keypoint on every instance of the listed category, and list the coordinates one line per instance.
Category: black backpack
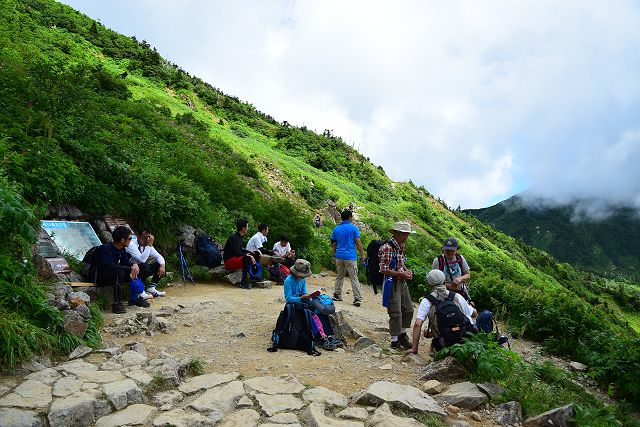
(452, 323)
(373, 264)
(207, 252)
(294, 331)
(89, 269)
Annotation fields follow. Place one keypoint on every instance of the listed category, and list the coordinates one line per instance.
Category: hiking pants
(115, 278)
(351, 268)
(400, 308)
(148, 270)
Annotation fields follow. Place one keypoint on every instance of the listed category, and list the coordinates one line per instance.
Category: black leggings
(148, 270)
(115, 278)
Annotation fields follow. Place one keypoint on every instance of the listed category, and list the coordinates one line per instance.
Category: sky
(475, 100)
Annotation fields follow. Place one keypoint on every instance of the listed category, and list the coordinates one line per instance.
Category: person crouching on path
(151, 263)
(400, 308)
(235, 257)
(426, 310)
(344, 240)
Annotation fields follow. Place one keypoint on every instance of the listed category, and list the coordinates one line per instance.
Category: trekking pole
(184, 267)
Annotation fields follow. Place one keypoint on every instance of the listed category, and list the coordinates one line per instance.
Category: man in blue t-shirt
(344, 241)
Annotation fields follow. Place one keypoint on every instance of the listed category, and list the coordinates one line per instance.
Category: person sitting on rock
(237, 258)
(149, 259)
(283, 249)
(115, 267)
(427, 310)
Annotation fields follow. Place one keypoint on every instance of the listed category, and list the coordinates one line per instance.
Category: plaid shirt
(385, 253)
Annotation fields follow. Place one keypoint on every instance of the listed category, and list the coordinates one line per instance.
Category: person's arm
(385, 253)
(417, 331)
(134, 251)
(334, 245)
(360, 248)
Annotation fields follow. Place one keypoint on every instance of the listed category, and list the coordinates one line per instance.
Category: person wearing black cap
(454, 266)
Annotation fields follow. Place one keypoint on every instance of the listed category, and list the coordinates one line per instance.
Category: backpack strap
(441, 263)
(459, 259)
(451, 296)
(312, 346)
(432, 299)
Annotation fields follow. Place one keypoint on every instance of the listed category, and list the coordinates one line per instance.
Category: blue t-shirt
(294, 288)
(345, 235)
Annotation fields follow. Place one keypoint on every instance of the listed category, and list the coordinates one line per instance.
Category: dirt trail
(217, 313)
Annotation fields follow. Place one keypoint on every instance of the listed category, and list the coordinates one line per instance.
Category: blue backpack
(255, 272)
(323, 304)
(485, 323)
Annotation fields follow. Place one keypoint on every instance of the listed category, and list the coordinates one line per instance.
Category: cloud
(469, 99)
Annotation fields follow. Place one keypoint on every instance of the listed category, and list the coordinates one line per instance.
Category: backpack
(207, 252)
(89, 269)
(323, 304)
(452, 323)
(485, 322)
(464, 289)
(255, 272)
(373, 264)
(294, 330)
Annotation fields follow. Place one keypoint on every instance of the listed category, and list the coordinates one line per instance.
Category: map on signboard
(72, 237)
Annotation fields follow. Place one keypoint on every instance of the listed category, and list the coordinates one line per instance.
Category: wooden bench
(81, 284)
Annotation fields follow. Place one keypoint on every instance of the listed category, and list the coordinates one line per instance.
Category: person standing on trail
(345, 238)
(235, 257)
(455, 268)
(392, 264)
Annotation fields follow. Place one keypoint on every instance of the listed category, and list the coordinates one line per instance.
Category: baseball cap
(450, 243)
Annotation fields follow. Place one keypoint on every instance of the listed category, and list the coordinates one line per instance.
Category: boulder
(29, 394)
(341, 327)
(362, 343)
(509, 413)
(398, 395)
(464, 395)
(123, 393)
(12, 417)
(383, 417)
(491, 390)
(202, 382)
(241, 418)
(83, 311)
(138, 347)
(577, 366)
(182, 418)
(444, 370)
(325, 396)
(558, 417)
(169, 368)
(77, 410)
(46, 376)
(141, 377)
(218, 401)
(286, 384)
(133, 415)
(355, 413)
(433, 387)
(316, 418)
(235, 277)
(78, 298)
(74, 323)
(274, 403)
(131, 358)
(80, 351)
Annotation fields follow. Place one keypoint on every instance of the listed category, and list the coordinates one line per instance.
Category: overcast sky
(475, 100)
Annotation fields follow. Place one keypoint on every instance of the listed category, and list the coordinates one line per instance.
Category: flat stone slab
(29, 394)
(444, 370)
(399, 395)
(463, 395)
(555, 417)
(141, 377)
(383, 417)
(66, 386)
(12, 417)
(491, 389)
(355, 413)
(80, 351)
(133, 415)
(244, 402)
(316, 418)
(273, 403)
(325, 396)
(46, 376)
(76, 365)
(287, 384)
(433, 387)
(182, 418)
(100, 377)
(203, 382)
(72, 411)
(284, 418)
(168, 397)
(241, 418)
(123, 393)
(508, 413)
(131, 358)
(221, 399)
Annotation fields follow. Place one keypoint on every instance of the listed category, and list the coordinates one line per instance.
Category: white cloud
(503, 92)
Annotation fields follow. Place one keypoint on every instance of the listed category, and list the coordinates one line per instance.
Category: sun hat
(302, 268)
(402, 227)
(450, 243)
(435, 277)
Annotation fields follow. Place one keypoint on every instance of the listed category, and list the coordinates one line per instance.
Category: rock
(362, 343)
(459, 423)
(77, 410)
(167, 397)
(355, 413)
(76, 365)
(4, 389)
(32, 365)
(414, 359)
(138, 347)
(356, 334)
(133, 415)
(433, 387)
(555, 417)
(341, 327)
(373, 350)
(123, 393)
(235, 277)
(577, 366)
(383, 417)
(66, 386)
(325, 396)
(80, 351)
(46, 376)
(131, 358)
(444, 370)
(241, 418)
(111, 365)
(287, 384)
(400, 396)
(182, 418)
(476, 416)
(386, 367)
(29, 394)
(464, 395)
(100, 377)
(12, 417)
(509, 413)
(141, 377)
(83, 311)
(89, 386)
(77, 298)
(316, 418)
(490, 389)
(273, 403)
(169, 368)
(284, 418)
(163, 325)
(201, 382)
(244, 402)
(453, 409)
(74, 323)
(219, 400)
(112, 351)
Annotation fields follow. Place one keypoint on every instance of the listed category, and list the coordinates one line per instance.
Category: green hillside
(610, 246)
(98, 120)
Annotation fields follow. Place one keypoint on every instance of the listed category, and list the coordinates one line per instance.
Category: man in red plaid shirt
(400, 308)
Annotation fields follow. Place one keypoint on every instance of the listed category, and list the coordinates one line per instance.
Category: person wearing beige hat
(399, 305)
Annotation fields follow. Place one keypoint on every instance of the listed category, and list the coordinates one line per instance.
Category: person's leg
(352, 269)
(117, 279)
(289, 262)
(247, 262)
(337, 286)
(395, 314)
(406, 308)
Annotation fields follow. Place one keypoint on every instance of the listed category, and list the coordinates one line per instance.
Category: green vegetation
(92, 118)
(196, 366)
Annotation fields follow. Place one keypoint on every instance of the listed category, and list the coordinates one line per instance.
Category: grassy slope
(182, 161)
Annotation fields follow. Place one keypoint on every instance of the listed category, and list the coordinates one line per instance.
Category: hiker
(115, 267)
(282, 248)
(255, 246)
(317, 220)
(237, 258)
(149, 259)
(427, 310)
(455, 268)
(345, 238)
(392, 264)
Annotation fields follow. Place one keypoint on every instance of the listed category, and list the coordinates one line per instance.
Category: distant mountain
(607, 245)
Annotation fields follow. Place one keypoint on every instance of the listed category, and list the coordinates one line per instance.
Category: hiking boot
(327, 344)
(140, 302)
(118, 308)
(403, 341)
(335, 341)
(337, 297)
(356, 303)
(395, 345)
(156, 293)
(245, 285)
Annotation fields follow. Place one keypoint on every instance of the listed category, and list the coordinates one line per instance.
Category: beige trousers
(351, 267)
(400, 308)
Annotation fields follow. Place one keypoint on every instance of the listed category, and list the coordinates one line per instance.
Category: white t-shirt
(143, 254)
(425, 306)
(281, 250)
(256, 241)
